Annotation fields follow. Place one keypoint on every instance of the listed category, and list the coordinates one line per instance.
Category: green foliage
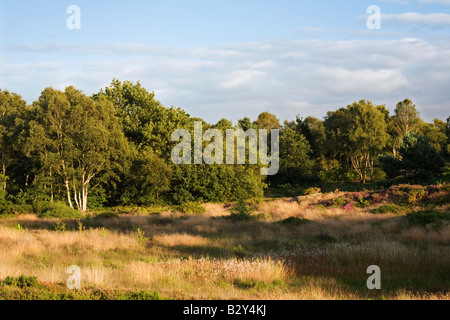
(60, 226)
(76, 139)
(425, 217)
(267, 121)
(295, 162)
(58, 209)
(357, 134)
(389, 208)
(107, 215)
(363, 203)
(312, 190)
(20, 282)
(215, 183)
(191, 207)
(294, 221)
(140, 236)
(146, 180)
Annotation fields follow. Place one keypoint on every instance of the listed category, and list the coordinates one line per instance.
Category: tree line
(114, 148)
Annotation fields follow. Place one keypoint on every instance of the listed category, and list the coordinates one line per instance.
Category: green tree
(295, 163)
(12, 111)
(417, 158)
(406, 120)
(313, 130)
(145, 121)
(78, 139)
(357, 133)
(267, 121)
(147, 178)
(436, 134)
(246, 124)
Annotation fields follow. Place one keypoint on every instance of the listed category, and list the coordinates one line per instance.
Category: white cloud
(290, 77)
(414, 17)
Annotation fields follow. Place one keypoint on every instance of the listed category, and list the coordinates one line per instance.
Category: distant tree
(357, 133)
(313, 130)
(246, 124)
(145, 121)
(436, 134)
(12, 112)
(295, 163)
(147, 178)
(417, 158)
(406, 120)
(223, 125)
(267, 121)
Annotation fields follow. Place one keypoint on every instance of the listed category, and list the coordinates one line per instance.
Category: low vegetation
(315, 247)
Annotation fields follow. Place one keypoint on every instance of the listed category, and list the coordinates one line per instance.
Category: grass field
(316, 246)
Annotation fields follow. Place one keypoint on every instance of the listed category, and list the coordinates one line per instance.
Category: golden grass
(205, 257)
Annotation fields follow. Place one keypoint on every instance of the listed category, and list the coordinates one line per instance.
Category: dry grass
(207, 257)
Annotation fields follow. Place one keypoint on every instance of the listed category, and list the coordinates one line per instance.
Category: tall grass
(208, 257)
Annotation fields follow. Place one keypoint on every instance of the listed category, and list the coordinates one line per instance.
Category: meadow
(314, 246)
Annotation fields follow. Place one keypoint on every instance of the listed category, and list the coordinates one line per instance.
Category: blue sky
(229, 59)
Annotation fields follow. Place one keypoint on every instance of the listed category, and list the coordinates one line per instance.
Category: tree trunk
(68, 193)
(51, 186)
(371, 168)
(4, 174)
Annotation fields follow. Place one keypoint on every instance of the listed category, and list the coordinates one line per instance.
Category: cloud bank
(285, 77)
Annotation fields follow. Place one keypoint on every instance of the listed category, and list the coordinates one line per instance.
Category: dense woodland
(114, 148)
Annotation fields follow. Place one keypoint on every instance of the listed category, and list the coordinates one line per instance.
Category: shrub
(107, 214)
(242, 211)
(20, 282)
(140, 236)
(312, 190)
(338, 203)
(58, 209)
(425, 217)
(416, 195)
(389, 208)
(262, 216)
(60, 226)
(294, 221)
(191, 207)
(363, 203)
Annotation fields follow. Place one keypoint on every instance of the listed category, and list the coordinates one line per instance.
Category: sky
(235, 58)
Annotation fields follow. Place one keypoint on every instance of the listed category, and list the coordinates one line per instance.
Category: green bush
(294, 221)
(425, 217)
(20, 282)
(338, 203)
(58, 209)
(107, 214)
(191, 207)
(389, 208)
(312, 190)
(363, 203)
(60, 226)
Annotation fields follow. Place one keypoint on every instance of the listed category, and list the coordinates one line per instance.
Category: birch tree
(77, 139)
